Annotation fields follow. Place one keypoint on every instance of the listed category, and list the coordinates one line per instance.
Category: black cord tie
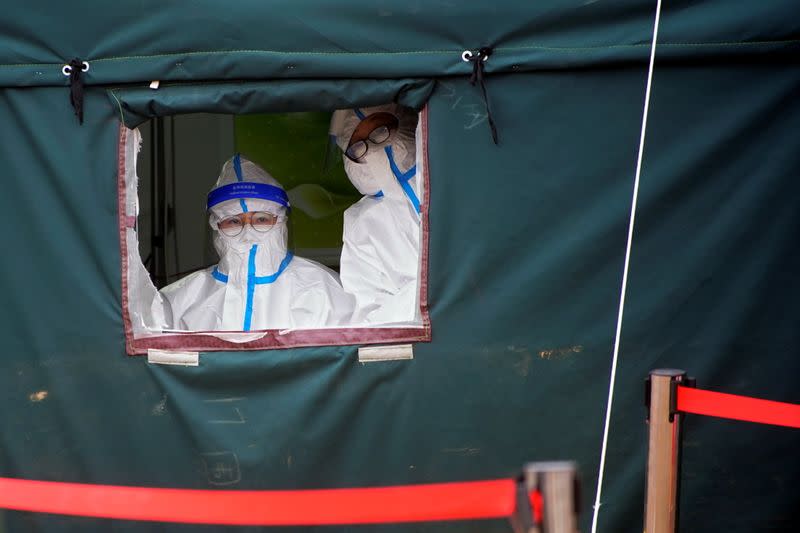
(75, 70)
(478, 76)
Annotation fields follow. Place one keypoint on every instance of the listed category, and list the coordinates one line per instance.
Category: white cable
(624, 287)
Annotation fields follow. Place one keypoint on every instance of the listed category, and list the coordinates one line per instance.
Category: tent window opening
(274, 230)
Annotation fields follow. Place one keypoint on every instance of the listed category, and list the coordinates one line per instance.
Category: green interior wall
(294, 147)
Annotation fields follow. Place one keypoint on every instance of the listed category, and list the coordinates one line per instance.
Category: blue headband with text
(247, 189)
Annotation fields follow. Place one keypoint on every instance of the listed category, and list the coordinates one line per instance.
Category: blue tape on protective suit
(261, 280)
(253, 280)
(403, 178)
(247, 189)
(237, 169)
(251, 288)
(219, 276)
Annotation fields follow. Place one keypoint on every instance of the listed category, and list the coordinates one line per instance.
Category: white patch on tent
(369, 354)
(558, 353)
(168, 357)
(160, 408)
(38, 396)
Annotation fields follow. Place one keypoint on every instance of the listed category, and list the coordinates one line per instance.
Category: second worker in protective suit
(380, 254)
(258, 283)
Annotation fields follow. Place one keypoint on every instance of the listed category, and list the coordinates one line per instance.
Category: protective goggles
(375, 129)
(261, 221)
(247, 189)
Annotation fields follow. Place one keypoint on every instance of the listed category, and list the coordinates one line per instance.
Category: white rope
(624, 287)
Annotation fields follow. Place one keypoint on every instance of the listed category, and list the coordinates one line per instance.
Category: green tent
(526, 250)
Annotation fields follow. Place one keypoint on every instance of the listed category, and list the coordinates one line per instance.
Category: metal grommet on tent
(75, 70)
(467, 56)
(66, 70)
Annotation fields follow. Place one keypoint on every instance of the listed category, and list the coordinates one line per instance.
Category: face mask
(368, 177)
(374, 173)
(404, 149)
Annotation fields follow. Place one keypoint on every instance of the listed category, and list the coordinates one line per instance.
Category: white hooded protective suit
(258, 284)
(380, 255)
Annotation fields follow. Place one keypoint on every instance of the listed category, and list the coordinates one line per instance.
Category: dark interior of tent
(531, 250)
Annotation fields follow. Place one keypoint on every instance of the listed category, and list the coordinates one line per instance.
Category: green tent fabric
(136, 105)
(527, 244)
(211, 40)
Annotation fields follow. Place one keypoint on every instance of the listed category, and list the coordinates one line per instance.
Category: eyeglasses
(262, 221)
(381, 124)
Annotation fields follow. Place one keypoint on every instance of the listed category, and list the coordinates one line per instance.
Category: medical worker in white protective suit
(258, 284)
(380, 255)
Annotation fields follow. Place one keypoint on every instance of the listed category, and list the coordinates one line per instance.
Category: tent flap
(137, 105)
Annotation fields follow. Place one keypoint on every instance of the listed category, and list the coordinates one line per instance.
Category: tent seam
(413, 52)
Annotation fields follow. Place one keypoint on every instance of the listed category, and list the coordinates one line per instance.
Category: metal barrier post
(549, 498)
(663, 455)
